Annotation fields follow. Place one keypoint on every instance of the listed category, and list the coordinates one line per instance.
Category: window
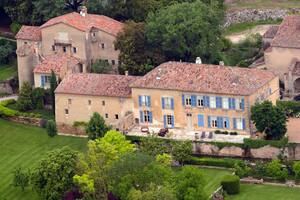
(89, 102)
(239, 104)
(225, 102)
(106, 115)
(103, 103)
(169, 120)
(239, 123)
(214, 122)
(144, 100)
(119, 62)
(74, 50)
(113, 62)
(168, 103)
(213, 102)
(146, 116)
(66, 111)
(25, 42)
(94, 34)
(102, 45)
(53, 47)
(225, 124)
(200, 101)
(47, 79)
(64, 49)
(69, 101)
(188, 100)
(116, 116)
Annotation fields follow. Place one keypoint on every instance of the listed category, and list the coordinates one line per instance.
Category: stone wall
(64, 128)
(252, 15)
(5, 87)
(25, 120)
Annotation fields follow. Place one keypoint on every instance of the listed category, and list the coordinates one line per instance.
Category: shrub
(258, 143)
(275, 170)
(15, 27)
(43, 123)
(51, 128)
(296, 169)
(231, 184)
(181, 151)
(25, 101)
(79, 124)
(96, 127)
(21, 178)
(241, 169)
(291, 108)
(217, 162)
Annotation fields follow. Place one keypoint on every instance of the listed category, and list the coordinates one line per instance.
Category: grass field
(7, 71)
(265, 192)
(240, 4)
(23, 146)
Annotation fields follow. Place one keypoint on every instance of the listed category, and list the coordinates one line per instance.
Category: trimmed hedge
(255, 144)
(231, 184)
(217, 162)
(8, 112)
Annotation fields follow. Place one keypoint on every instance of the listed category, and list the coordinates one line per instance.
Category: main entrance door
(189, 117)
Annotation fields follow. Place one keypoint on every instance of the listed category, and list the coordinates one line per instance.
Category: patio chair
(203, 135)
(210, 136)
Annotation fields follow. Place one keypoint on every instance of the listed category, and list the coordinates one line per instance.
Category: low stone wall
(64, 128)
(25, 120)
(266, 152)
(5, 88)
(252, 15)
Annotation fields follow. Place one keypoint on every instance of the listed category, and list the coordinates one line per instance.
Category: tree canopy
(269, 119)
(96, 127)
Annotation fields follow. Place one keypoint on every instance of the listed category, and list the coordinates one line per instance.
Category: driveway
(15, 97)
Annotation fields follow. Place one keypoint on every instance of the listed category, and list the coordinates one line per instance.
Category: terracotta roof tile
(29, 33)
(96, 85)
(271, 32)
(203, 78)
(75, 20)
(55, 62)
(288, 34)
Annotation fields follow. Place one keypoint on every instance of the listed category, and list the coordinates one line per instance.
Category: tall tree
(53, 86)
(187, 30)
(53, 176)
(269, 119)
(25, 100)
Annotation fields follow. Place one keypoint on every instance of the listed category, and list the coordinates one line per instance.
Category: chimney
(158, 74)
(83, 11)
(198, 60)
(221, 63)
(126, 73)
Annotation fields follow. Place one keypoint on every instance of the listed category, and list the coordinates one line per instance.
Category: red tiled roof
(85, 23)
(29, 33)
(288, 34)
(96, 85)
(271, 32)
(55, 62)
(204, 78)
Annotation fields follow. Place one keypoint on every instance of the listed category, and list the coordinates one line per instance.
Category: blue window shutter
(200, 120)
(194, 99)
(172, 103)
(140, 101)
(163, 103)
(150, 117)
(148, 101)
(234, 123)
(42, 80)
(183, 100)
(165, 121)
(229, 103)
(208, 101)
(244, 124)
(172, 121)
(219, 120)
(220, 102)
(141, 116)
(242, 103)
(208, 123)
(233, 103)
(227, 122)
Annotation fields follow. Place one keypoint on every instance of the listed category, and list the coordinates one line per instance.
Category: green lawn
(265, 192)
(23, 146)
(8, 71)
(213, 178)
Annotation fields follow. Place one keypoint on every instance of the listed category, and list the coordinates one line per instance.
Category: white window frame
(212, 102)
(188, 100)
(200, 101)
(144, 100)
(225, 103)
(146, 116)
(168, 103)
(238, 104)
(214, 122)
(239, 123)
(47, 79)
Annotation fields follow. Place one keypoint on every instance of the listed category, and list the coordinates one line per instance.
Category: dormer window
(94, 34)
(53, 47)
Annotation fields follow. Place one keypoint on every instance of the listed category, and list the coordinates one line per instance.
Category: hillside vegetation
(241, 4)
